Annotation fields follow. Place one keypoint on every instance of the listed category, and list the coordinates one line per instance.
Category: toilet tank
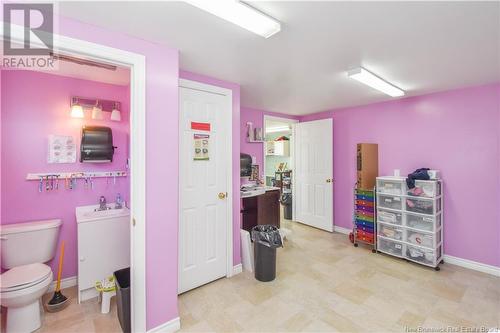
(28, 242)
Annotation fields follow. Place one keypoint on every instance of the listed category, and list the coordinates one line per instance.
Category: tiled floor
(81, 318)
(323, 284)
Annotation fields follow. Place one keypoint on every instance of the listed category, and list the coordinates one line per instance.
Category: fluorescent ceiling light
(240, 14)
(362, 75)
(277, 129)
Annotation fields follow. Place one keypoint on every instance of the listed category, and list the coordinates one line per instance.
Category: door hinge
(133, 222)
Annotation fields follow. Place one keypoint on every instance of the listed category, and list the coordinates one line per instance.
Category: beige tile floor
(323, 284)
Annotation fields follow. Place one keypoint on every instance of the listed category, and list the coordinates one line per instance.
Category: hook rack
(76, 174)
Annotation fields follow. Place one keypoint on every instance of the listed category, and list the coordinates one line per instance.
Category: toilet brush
(58, 301)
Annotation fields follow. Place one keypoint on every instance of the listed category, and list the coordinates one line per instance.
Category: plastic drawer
(364, 237)
(365, 214)
(390, 247)
(364, 197)
(365, 208)
(364, 217)
(389, 217)
(365, 223)
(364, 203)
(425, 188)
(368, 229)
(365, 193)
(389, 201)
(424, 223)
(423, 256)
(391, 186)
(388, 231)
(429, 240)
(423, 206)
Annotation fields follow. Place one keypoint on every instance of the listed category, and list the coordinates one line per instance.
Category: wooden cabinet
(261, 209)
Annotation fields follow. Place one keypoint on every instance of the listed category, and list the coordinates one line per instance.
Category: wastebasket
(286, 201)
(122, 279)
(266, 239)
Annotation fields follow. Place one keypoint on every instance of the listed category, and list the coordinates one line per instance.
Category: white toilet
(25, 249)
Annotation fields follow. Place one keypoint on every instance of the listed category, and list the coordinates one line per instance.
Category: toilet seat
(23, 277)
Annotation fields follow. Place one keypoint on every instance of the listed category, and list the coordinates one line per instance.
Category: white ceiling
(421, 47)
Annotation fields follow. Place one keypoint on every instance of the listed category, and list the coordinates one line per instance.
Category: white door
(313, 173)
(204, 185)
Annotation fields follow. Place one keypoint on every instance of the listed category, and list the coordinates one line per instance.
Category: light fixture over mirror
(98, 106)
(76, 109)
(116, 114)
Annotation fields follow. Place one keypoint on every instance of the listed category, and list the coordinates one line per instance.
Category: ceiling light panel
(364, 76)
(240, 14)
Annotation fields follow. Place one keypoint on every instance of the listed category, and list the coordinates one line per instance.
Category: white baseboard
(237, 269)
(168, 327)
(341, 230)
(65, 283)
(474, 265)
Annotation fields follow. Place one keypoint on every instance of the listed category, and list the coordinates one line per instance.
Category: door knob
(222, 195)
(328, 180)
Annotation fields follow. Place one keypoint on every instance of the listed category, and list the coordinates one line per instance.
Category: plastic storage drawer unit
(390, 247)
(390, 186)
(423, 206)
(389, 201)
(423, 223)
(389, 217)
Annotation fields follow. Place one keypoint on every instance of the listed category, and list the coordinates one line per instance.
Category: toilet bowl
(25, 247)
(20, 291)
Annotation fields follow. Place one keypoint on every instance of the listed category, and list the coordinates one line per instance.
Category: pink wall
(456, 132)
(162, 74)
(235, 88)
(256, 117)
(35, 105)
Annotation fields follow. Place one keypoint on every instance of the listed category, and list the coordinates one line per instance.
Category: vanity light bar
(364, 76)
(241, 14)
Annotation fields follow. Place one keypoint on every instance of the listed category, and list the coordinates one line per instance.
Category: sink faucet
(102, 203)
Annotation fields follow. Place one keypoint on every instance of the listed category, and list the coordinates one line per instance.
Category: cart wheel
(374, 251)
(437, 268)
(355, 244)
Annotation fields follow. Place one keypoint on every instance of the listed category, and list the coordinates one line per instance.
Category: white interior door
(313, 173)
(204, 187)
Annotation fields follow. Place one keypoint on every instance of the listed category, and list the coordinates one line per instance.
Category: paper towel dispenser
(97, 145)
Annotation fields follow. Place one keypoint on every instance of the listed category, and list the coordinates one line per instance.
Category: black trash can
(266, 239)
(122, 280)
(286, 200)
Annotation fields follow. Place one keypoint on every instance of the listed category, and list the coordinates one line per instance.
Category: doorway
(279, 161)
(136, 64)
(205, 183)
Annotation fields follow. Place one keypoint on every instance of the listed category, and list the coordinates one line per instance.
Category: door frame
(137, 65)
(292, 122)
(228, 94)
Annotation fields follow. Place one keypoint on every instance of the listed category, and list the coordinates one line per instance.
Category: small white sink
(92, 213)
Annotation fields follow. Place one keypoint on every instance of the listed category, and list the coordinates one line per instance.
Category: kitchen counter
(259, 190)
(260, 205)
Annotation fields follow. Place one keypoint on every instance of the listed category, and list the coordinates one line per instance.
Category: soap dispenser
(118, 202)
